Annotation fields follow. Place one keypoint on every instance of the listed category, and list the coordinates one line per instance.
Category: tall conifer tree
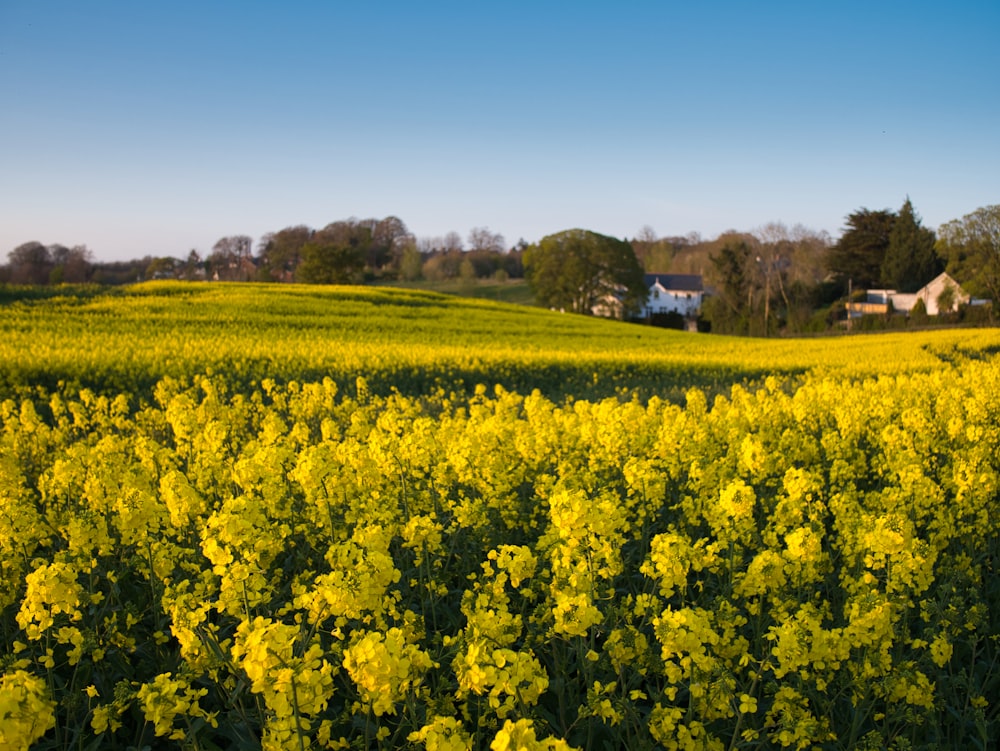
(910, 260)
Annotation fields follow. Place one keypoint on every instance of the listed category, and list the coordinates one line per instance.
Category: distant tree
(411, 264)
(859, 253)
(79, 264)
(733, 275)
(193, 267)
(654, 253)
(773, 259)
(231, 258)
(443, 265)
(389, 237)
(789, 266)
(449, 243)
(30, 263)
(70, 265)
(946, 299)
(971, 247)
(480, 239)
(281, 252)
(486, 263)
(336, 254)
(513, 260)
(576, 269)
(910, 261)
(121, 272)
(161, 268)
(452, 241)
(57, 255)
(809, 255)
(467, 271)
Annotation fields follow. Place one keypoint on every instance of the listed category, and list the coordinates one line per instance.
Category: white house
(881, 301)
(674, 293)
(666, 293)
(932, 293)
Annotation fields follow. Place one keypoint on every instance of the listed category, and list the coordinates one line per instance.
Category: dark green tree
(910, 260)
(733, 275)
(336, 254)
(577, 270)
(281, 252)
(859, 253)
(918, 314)
(971, 247)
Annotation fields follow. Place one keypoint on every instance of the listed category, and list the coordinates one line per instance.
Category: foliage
(860, 252)
(910, 260)
(971, 246)
(731, 307)
(281, 252)
(767, 282)
(411, 265)
(335, 254)
(232, 259)
(946, 299)
(657, 254)
(34, 263)
(578, 270)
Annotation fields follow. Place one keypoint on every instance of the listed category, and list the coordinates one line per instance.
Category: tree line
(350, 251)
(775, 279)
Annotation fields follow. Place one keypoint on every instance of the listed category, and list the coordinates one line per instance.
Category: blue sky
(143, 128)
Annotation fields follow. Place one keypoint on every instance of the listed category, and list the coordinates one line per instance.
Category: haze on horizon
(140, 129)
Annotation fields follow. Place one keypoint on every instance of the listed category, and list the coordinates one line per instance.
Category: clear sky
(151, 128)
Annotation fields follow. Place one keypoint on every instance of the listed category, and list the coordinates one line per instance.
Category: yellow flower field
(251, 517)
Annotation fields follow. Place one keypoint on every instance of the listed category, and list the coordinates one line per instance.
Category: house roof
(676, 282)
(941, 280)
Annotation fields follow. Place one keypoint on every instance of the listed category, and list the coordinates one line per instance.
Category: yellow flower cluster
(295, 679)
(385, 668)
(52, 590)
(520, 736)
(165, 698)
(442, 734)
(26, 710)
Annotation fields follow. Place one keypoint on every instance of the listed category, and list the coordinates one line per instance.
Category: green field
(292, 517)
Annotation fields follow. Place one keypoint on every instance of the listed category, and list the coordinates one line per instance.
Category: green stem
(295, 712)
